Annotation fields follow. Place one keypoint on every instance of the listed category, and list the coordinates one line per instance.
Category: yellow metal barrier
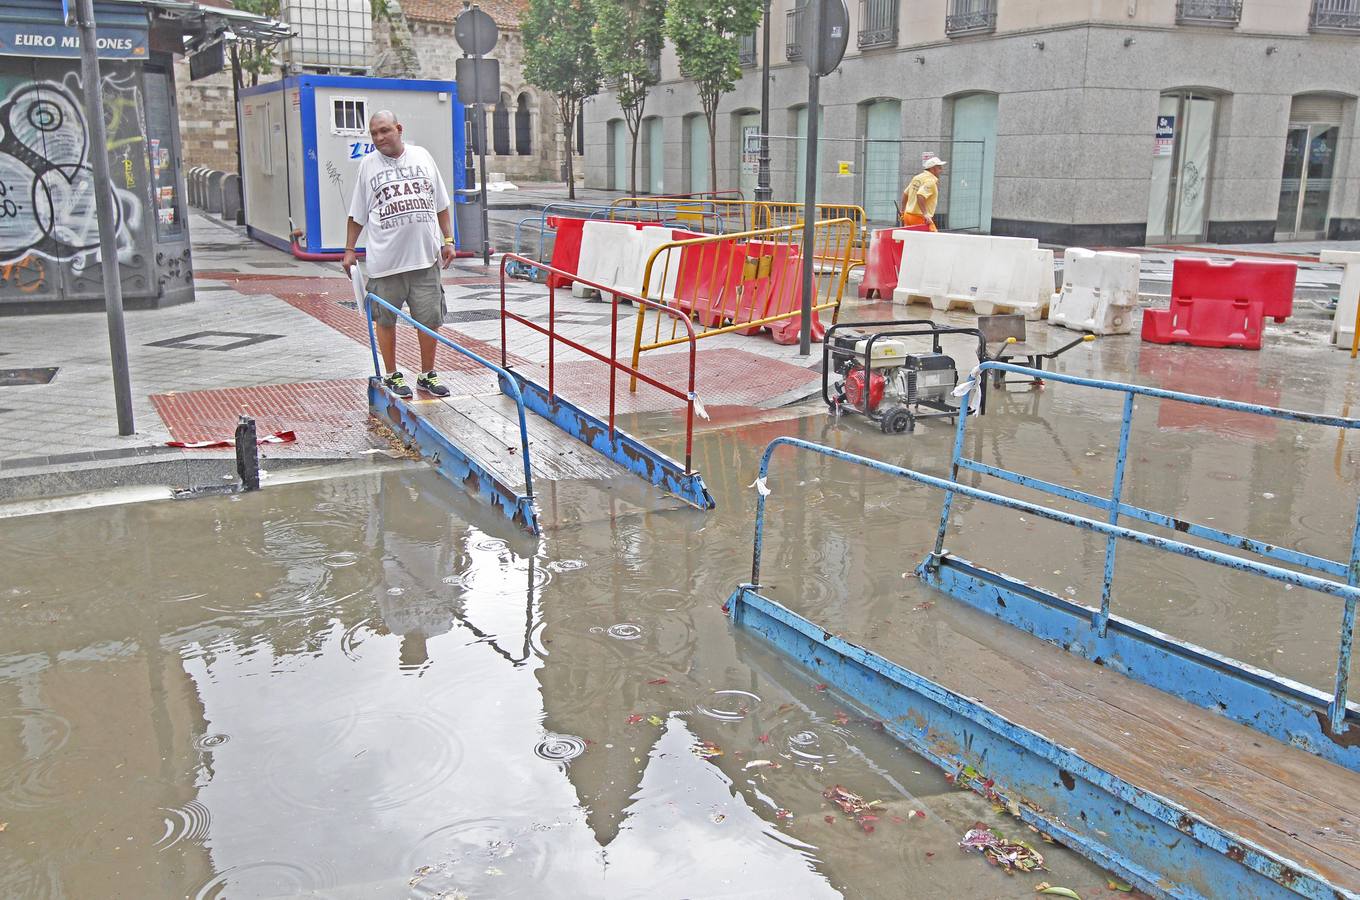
(723, 216)
(743, 282)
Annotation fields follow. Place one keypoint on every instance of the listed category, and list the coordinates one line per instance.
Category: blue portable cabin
(302, 139)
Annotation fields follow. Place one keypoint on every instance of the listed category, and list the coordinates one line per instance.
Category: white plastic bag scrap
(761, 487)
(966, 387)
(698, 407)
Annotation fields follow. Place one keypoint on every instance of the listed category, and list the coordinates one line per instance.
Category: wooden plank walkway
(486, 427)
(1283, 799)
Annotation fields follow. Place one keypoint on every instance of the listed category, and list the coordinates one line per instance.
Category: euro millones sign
(475, 32)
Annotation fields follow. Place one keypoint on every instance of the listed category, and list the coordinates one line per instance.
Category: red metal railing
(615, 366)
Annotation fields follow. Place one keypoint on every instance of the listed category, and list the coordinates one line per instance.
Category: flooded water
(371, 687)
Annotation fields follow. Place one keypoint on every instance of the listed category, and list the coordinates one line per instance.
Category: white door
(656, 156)
(697, 137)
(748, 154)
(1182, 147)
(883, 160)
(972, 164)
(799, 176)
(618, 143)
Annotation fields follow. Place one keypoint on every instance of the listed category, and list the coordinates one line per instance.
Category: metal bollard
(247, 454)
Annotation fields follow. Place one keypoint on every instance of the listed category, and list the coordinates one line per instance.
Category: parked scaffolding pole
(103, 198)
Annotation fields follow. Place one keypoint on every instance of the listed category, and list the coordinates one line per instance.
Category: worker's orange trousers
(910, 219)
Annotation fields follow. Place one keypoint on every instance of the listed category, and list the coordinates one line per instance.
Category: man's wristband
(448, 241)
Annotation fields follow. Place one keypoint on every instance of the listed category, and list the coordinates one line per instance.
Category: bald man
(401, 204)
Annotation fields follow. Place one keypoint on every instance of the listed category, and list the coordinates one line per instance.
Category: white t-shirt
(397, 202)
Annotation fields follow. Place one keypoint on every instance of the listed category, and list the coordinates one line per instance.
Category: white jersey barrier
(1343, 324)
(988, 274)
(1099, 292)
(616, 253)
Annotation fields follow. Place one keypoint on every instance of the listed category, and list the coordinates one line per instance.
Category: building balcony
(967, 17)
(746, 50)
(1209, 12)
(877, 23)
(793, 36)
(1336, 16)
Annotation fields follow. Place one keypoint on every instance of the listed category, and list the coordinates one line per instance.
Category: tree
(257, 57)
(560, 59)
(628, 39)
(707, 37)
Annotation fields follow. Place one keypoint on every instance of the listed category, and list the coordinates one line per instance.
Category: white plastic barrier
(1099, 292)
(603, 247)
(1343, 325)
(988, 274)
(615, 254)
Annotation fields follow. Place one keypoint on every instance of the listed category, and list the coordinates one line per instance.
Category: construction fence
(871, 173)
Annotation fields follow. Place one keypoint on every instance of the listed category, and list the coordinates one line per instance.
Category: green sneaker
(429, 383)
(396, 383)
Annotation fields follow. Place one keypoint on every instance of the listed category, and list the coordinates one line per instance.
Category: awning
(36, 27)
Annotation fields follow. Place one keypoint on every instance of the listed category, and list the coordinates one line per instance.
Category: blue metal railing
(1349, 591)
(511, 385)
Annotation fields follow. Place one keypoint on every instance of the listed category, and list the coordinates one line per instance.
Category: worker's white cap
(933, 162)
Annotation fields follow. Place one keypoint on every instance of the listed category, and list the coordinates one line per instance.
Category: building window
(970, 17)
(877, 23)
(746, 50)
(1335, 15)
(523, 136)
(349, 115)
(793, 41)
(500, 127)
(1209, 12)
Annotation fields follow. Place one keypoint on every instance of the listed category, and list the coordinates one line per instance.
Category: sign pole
(481, 153)
(812, 54)
(103, 198)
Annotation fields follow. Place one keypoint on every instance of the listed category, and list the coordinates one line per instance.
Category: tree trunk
(632, 162)
(712, 116)
(567, 111)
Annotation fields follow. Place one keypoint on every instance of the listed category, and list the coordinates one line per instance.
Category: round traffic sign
(475, 31)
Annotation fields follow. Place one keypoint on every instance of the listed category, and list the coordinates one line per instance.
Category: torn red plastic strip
(278, 437)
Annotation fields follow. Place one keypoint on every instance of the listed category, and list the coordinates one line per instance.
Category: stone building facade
(524, 137)
(1096, 122)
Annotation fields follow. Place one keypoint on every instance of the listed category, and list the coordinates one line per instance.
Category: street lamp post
(763, 190)
(92, 85)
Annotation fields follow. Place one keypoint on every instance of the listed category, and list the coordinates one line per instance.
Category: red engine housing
(854, 389)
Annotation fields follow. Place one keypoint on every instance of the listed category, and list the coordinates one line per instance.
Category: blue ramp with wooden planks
(1189, 773)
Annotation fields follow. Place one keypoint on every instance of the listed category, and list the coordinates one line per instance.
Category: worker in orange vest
(921, 195)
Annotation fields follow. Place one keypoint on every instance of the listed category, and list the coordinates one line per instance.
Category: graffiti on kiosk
(47, 188)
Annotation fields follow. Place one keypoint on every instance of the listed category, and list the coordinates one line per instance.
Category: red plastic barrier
(882, 263)
(1215, 304)
(566, 255)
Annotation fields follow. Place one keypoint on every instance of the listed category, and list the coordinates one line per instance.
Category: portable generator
(877, 375)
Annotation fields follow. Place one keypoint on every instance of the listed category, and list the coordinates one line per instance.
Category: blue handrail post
(372, 338)
(1102, 619)
(965, 405)
(505, 377)
(1337, 712)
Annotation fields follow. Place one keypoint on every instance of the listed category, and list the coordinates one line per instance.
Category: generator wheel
(897, 420)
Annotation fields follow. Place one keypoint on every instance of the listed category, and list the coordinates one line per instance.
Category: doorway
(972, 163)
(656, 158)
(747, 132)
(1309, 161)
(882, 160)
(1178, 204)
(696, 139)
(618, 155)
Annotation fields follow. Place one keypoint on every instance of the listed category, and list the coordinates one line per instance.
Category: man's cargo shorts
(420, 291)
